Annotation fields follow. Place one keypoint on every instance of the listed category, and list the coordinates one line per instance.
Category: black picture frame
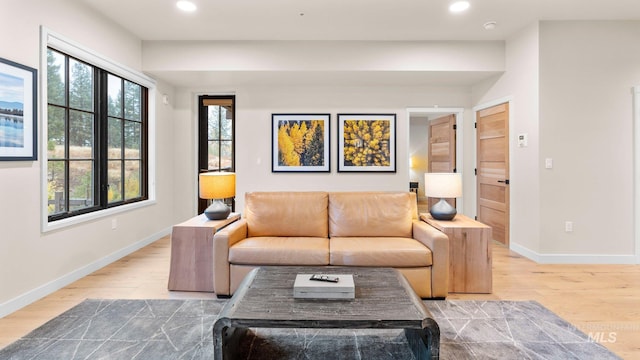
(311, 152)
(18, 112)
(367, 143)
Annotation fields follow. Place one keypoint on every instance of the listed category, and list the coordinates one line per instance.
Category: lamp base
(217, 210)
(442, 210)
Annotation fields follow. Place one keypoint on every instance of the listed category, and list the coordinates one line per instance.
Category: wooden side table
(191, 266)
(469, 253)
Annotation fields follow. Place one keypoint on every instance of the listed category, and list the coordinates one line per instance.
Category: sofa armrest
(222, 241)
(438, 243)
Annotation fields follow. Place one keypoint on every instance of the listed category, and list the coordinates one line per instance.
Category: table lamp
(443, 185)
(217, 186)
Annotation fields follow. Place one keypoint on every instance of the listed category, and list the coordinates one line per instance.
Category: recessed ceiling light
(459, 6)
(187, 6)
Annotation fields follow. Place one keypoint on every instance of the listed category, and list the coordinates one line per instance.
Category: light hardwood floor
(601, 300)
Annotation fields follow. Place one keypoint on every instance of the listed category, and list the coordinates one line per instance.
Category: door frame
(195, 106)
(203, 148)
(482, 106)
(459, 112)
(636, 178)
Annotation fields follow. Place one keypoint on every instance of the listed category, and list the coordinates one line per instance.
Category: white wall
(570, 87)
(587, 71)
(34, 263)
(519, 84)
(254, 106)
(292, 76)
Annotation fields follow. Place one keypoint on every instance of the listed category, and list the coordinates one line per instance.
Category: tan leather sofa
(373, 229)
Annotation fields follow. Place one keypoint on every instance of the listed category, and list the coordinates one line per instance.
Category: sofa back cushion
(371, 214)
(287, 214)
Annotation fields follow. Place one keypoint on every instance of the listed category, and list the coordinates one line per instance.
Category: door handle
(506, 182)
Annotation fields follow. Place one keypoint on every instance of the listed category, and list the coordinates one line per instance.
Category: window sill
(80, 219)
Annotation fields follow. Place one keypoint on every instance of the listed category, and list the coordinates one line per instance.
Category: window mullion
(144, 152)
(122, 143)
(67, 137)
(101, 147)
(122, 159)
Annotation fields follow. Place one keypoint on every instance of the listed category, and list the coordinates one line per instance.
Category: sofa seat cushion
(267, 250)
(379, 251)
(371, 214)
(303, 214)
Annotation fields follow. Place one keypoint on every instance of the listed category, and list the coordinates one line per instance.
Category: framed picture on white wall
(300, 143)
(18, 102)
(366, 142)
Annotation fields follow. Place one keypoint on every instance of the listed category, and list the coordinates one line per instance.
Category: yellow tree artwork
(302, 143)
(367, 143)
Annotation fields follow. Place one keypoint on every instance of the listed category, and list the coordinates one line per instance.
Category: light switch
(548, 163)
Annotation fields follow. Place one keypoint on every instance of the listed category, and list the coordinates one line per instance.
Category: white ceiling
(343, 20)
(348, 19)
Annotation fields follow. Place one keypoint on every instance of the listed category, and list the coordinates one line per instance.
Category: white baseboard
(38, 293)
(574, 258)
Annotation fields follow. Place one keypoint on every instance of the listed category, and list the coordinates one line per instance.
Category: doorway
(442, 149)
(216, 138)
(419, 160)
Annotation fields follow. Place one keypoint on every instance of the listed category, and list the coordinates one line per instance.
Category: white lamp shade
(217, 185)
(443, 185)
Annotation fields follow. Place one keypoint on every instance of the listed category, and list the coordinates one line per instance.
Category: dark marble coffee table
(383, 300)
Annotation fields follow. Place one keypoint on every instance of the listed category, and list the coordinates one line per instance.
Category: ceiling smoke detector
(490, 25)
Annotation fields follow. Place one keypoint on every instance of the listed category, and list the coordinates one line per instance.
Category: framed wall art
(366, 142)
(18, 112)
(300, 143)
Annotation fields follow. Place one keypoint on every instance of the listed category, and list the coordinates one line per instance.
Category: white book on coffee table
(304, 288)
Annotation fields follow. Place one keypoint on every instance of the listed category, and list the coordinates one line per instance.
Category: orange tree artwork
(366, 142)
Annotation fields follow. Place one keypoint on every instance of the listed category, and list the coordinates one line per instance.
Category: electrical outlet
(114, 224)
(568, 226)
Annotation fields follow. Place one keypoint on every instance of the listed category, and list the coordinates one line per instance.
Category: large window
(96, 138)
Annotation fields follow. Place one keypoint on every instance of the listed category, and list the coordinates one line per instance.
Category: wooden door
(492, 139)
(442, 148)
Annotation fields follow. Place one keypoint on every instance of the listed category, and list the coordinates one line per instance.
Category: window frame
(104, 158)
(59, 43)
(203, 132)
